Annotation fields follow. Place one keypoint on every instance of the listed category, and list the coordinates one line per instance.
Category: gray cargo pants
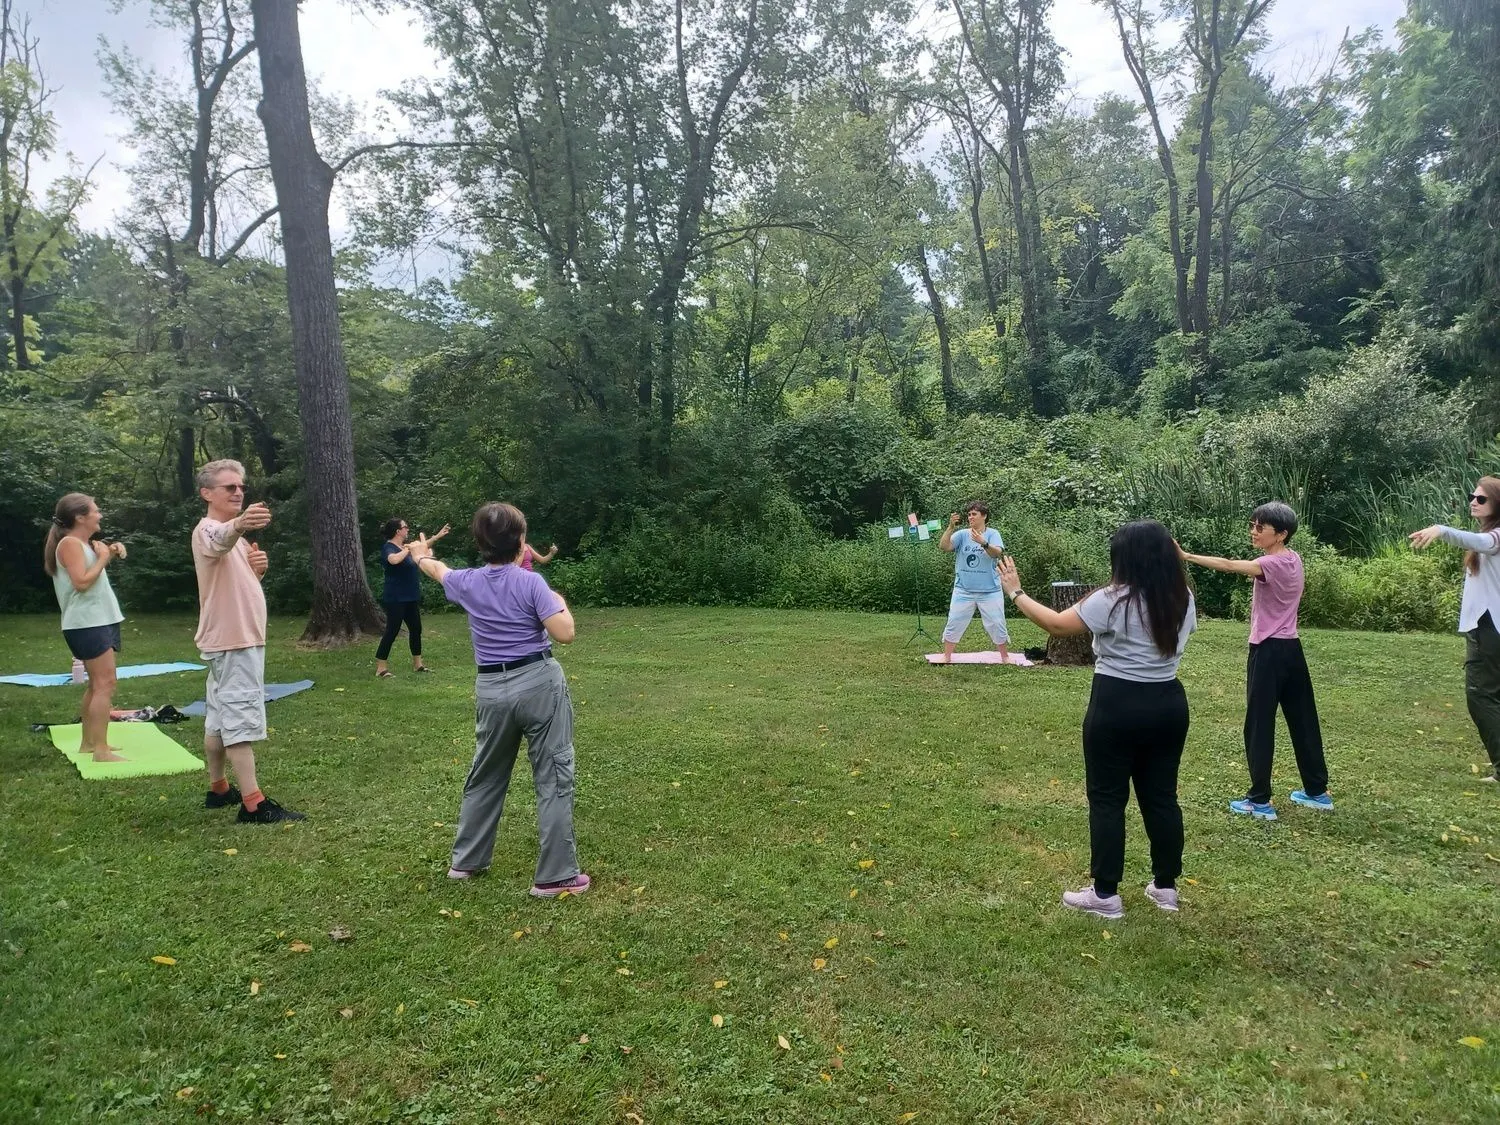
(531, 701)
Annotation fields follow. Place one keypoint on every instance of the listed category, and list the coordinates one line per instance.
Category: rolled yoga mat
(150, 752)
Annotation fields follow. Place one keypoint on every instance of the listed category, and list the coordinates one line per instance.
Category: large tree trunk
(343, 606)
(940, 321)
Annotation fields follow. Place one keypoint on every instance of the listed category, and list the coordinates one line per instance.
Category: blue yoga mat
(129, 672)
(273, 691)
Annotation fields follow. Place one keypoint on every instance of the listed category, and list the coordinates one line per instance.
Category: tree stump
(1077, 650)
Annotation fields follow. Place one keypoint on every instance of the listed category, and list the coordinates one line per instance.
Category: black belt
(520, 662)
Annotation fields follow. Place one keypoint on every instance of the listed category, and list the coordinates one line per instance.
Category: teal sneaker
(1325, 801)
(1247, 807)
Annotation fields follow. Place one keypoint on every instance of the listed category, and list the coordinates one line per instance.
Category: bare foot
(1004, 651)
(108, 756)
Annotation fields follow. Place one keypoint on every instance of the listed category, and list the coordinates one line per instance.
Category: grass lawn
(826, 883)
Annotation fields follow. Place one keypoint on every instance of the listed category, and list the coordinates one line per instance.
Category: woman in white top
(1137, 719)
(1479, 610)
(91, 615)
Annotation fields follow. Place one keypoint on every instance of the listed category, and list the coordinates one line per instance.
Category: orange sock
(220, 787)
(251, 801)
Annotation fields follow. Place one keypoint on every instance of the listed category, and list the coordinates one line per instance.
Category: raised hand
(953, 519)
(1010, 581)
(421, 547)
(117, 549)
(253, 518)
(259, 561)
(1423, 539)
(440, 534)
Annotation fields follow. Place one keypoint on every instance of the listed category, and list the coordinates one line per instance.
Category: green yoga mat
(148, 750)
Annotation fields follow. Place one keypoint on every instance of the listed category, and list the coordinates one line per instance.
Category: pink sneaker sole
(574, 886)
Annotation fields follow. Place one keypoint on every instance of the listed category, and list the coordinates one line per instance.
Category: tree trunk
(940, 320)
(18, 316)
(343, 606)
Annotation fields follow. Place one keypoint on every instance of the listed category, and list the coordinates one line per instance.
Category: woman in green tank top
(91, 616)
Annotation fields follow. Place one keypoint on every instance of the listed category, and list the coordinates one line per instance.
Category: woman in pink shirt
(1276, 674)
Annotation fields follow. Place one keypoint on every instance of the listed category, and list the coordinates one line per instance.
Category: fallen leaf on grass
(255, 988)
(470, 1003)
(300, 947)
(854, 894)
(340, 933)
(781, 1042)
(400, 1008)
(278, 1055)
(819, 964)
(781, 936)
(624, 1050)
(825, 1076)
(185, 1093)
(1472, 1041)
(908, 1116)
(624, 972)
(231, 851)
(160, 960)
(717, 1020)
(1191, 882)
(1107, 935)
(290, 1012)
(347, 1013)
(583, 1039)
(1090, 956)
(866, 864)
(519, 934)
(720, 983)
(830, 943)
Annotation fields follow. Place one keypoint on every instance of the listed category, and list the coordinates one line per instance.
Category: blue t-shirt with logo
(973, 569)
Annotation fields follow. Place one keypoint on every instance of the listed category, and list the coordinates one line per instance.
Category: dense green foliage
(715, 326)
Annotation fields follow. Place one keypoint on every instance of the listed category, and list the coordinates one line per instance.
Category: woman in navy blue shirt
(401, 596)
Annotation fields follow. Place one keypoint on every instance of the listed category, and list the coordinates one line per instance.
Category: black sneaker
(267, 812)
(230, 796)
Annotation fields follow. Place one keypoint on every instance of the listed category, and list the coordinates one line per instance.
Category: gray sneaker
(1164, 899)
(1091, 902)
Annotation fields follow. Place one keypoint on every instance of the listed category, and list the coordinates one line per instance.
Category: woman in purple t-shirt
(514, 617)
(1276, 673)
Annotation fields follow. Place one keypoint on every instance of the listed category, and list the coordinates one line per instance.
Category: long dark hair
(1143, 560)
(70, 509)
(1490, 487)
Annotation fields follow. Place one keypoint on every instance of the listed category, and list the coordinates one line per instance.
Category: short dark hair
(977, 506)
(498, 530)
(391, 526)
(1277, 516)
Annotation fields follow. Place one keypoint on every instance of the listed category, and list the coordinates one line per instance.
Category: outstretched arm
(1485, 542)
(421, 550)
(1064, 624)
(1249, 568)
(946, 542)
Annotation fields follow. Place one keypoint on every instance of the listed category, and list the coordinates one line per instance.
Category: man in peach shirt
(232, 641)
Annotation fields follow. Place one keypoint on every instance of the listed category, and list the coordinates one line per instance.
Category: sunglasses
(232, 487)
(1479, 498)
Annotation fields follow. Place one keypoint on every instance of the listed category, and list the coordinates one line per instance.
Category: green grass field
(826, 890)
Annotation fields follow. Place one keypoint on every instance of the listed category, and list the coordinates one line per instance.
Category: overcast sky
(358, 55)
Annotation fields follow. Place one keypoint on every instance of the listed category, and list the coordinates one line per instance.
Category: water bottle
(80, 673)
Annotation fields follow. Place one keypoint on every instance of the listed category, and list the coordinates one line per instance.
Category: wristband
(1016, 595)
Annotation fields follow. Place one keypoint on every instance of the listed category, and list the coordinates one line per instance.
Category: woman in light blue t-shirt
(75, 561)
(1137, 719)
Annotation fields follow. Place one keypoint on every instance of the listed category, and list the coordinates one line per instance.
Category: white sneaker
(1091, 902)
(1164, 899)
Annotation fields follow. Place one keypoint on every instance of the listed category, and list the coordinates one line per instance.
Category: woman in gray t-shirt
(1137, 718)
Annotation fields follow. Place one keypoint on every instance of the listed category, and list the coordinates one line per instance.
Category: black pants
(1276, 675)
(395, 614)
(1134, 732)
(1482, 685)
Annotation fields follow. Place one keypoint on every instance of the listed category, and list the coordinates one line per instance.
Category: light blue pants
(533, 702)
(991, 607)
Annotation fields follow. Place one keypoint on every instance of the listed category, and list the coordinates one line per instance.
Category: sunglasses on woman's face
(1479, 498)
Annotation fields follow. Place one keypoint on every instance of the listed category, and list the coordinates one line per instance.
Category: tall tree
(34, 226)
(342, 606)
